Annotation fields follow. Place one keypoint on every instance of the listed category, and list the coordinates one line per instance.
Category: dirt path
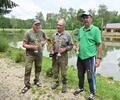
(11, 83)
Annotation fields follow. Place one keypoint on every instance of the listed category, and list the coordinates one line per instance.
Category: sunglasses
(37, 24)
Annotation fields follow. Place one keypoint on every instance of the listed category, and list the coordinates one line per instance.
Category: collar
(60, 33)
(88, 28)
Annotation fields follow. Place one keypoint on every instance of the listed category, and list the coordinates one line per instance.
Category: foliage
(71, 16)
(3, 44)
(79, 13)
(20, 57)
(13, 22)
(51, 20)
(6, 6)
(4, 22)
(16, 54)
(40, 16)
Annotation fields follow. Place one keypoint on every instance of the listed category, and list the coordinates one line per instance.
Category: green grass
(107, 89)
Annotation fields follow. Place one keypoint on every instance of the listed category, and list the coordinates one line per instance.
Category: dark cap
(86, 14)
(35, 21)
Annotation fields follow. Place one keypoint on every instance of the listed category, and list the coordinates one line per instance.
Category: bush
(3, 44)
(16, 54)
(20, 57)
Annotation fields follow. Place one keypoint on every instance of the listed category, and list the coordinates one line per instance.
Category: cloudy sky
(29, 8)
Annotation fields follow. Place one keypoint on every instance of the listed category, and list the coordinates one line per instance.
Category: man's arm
(70, 43)
(99, 55)
(29, 46)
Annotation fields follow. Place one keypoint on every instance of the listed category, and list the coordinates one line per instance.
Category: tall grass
(3, 44)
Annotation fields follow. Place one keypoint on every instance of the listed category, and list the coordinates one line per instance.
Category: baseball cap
(86, 14)
(35, 21)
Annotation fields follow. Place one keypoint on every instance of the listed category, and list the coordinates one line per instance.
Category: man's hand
(51, 51)
(34, 47)
(97, 62)
(61, 50)
(30, 46)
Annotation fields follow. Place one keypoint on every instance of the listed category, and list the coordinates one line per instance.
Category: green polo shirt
(88, 41)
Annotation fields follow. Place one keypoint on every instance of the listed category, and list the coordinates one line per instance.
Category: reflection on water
(110, 64)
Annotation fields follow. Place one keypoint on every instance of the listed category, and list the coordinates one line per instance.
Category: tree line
(71, 16)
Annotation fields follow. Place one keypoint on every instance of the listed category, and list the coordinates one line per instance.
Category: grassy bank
(107, 89)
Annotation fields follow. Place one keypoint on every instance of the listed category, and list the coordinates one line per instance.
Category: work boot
(54, 86)
(64, 88)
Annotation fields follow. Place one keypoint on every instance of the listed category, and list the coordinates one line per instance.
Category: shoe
(25, 89)
(64, 89)
(91, 97)
(78, 91)
(54, 86)
(39, 84)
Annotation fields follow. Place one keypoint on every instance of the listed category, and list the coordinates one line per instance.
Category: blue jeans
(89, 66)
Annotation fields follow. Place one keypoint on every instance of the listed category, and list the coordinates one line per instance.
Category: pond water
(110, 64)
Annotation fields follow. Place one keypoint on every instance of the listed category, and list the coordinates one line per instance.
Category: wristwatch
(99, 58)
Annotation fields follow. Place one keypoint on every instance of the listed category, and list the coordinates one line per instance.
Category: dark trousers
(89, 66)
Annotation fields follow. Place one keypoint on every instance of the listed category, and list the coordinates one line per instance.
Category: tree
(72, 19)
(102, 12)
(79, 13)
(63, 13)
(6, 6)
(13, 22)
(113, 17)
(41, 18)
(4, 22)
(51, 20)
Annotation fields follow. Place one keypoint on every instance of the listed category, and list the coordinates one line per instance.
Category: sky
(28, 9)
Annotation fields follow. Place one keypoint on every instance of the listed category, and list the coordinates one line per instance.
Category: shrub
(16, 54)
(20, 57)
(3, 44)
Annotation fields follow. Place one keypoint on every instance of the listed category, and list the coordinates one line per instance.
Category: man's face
(87, 20)
(60, 26)
(36, 27)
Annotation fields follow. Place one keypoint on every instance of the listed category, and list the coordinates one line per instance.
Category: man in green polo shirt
(90, 52)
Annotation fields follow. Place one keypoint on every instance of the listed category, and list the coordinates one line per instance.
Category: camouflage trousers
(28, 67)
(59, 68)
